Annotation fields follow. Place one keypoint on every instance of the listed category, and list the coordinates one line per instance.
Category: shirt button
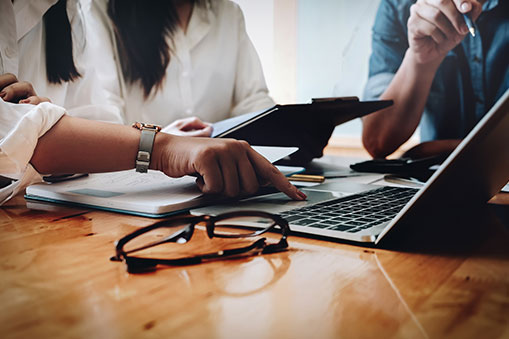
(477, 59)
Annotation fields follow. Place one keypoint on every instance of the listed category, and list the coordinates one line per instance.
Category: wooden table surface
(56, 281)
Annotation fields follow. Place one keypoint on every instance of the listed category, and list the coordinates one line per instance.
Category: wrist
(422, 69)
(162, 142)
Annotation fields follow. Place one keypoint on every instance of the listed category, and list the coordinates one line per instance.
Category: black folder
(307, 126)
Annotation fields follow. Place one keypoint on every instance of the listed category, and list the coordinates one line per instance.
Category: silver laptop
(476, 171)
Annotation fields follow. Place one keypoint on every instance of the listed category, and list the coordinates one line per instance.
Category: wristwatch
(148, 133)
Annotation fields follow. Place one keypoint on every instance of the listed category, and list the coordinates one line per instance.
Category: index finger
(7, 79)
(449, 9)
(34, 100)
(268, 171)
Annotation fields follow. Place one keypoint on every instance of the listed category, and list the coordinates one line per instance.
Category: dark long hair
(59, 60)
(142, 29)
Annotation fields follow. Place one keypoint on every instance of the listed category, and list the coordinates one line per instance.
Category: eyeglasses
(180, 229)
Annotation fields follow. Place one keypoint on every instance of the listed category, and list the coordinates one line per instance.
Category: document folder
(306, 126)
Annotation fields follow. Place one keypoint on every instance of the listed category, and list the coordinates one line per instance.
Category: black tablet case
(307, 126)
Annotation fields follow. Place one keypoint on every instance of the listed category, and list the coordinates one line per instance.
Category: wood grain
(56, 281)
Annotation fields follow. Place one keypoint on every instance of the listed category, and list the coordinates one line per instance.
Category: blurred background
(314, 48)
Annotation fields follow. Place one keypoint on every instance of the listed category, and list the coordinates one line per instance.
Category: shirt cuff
(18, 144)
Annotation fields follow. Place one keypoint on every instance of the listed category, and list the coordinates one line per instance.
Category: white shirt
(214, 71)
(21, 125)
(23, 53)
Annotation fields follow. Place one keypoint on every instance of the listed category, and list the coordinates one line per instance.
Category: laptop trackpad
(343, 187)
(272, 203)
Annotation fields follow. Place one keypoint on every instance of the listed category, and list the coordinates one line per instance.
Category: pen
(306, 178)
(63, 177)
(470, 24)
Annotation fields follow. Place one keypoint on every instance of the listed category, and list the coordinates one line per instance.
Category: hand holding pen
(437, 26)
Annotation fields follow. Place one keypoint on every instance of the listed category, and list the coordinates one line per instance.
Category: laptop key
(294, 217)
(304, 222)
(354, 223)
(341, 219)
(329, 222)
(353, 230)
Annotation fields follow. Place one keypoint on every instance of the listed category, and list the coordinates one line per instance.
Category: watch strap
(148, 133)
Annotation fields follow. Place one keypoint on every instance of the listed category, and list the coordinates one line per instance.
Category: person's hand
(191, 127)
(432, 148)
(16, 91)
(223, 166)
(437, 26)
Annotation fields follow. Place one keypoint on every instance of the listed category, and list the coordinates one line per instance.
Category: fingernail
(2, 94)
(302, 195)
(465, 7)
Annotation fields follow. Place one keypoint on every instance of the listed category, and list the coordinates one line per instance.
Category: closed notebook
(151, 194)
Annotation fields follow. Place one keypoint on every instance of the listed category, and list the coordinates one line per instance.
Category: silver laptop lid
(476, 170)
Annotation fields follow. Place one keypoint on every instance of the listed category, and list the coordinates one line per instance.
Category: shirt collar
(29, 13)
(200, 23)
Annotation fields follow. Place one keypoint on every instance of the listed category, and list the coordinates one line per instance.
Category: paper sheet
(505, 188)
(274, 154)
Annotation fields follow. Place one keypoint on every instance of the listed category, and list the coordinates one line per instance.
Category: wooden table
(56, 281)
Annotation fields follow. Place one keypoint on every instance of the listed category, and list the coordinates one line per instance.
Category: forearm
(385, 131)
(224, 166)
(78, 145)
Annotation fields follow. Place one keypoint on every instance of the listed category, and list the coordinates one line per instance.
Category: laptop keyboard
(353, 213)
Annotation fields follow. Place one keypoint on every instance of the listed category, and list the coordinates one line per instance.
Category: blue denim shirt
(468, 82)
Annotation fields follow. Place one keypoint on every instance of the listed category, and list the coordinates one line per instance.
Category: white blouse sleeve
(21, 125)
(251, 93)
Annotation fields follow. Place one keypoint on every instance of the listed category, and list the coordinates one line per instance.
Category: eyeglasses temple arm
(140, 264)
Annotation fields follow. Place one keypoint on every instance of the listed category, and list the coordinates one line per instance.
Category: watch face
(151, 126)
(142, 125)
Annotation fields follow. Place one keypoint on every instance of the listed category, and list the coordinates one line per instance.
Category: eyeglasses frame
(135, 264)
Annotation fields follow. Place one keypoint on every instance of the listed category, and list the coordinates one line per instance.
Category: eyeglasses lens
(162, 242)
(243, 226)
